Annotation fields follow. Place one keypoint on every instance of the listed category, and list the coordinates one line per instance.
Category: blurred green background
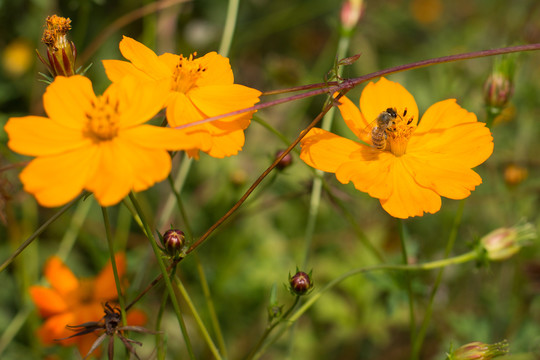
(280, 44)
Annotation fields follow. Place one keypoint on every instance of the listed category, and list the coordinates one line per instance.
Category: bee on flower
(409, 164)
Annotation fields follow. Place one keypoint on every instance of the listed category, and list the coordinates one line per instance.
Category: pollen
(102, 120)
(186, 74)
(400, 133)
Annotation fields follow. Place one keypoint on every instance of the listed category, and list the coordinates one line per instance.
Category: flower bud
(499, 86)
(61, 52)
(351, 12)
(502, 243)
(479, 351)
(285, 162)
(300, 283)
(173, 241)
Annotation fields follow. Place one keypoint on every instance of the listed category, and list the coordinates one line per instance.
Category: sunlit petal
(325, 151)
(384, 94)
(39, 136)
(143, 58)
(56, 180)
(68, 99)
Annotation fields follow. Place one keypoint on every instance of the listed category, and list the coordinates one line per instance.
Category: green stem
(159, 337)
(211, 308)
(164, 274)
(470, 256)
(202, 277)
(410, 295)
(271, 327)
(38, 232)
(198, 319)
(177, 186)
(228, 29)
(117, 281)
(417, 344)
(316, 191)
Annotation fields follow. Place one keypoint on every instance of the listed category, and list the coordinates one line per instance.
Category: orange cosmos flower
(198, 88)
(97, 143)
(72, 301)
(417, 163)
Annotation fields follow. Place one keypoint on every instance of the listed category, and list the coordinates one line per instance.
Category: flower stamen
(399, 133)
(102, 120)
(186, 74)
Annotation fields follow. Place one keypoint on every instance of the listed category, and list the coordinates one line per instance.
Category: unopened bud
(499, 86)
(479, 351)
(285, 162)
(300, 283)
(61, 52)
(502, 243)
(351, 12)
(173, 241)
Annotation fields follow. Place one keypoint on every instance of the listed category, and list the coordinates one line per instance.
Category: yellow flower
(419, 161)
(97, 143)
(73, 301)
(198, 88)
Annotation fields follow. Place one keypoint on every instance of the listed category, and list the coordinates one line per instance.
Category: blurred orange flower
(198, 88)
(97, 143)
(416, 162)
(72, 301)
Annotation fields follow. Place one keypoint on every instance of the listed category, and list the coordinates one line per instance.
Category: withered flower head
(111, 323)
(61, 52)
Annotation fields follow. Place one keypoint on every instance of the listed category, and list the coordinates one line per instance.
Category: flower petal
(56, 180)
(68, 99)
(325, 151)
(154, 137)
(124, 167)
(217, 70)
(408, 198)
(55, 328)
(384, 94)
(226, 144)
(105, 285)
(60, 276)
(181, 111)
(48, 301)
(143, 59)
(138, 101)
(447, 131)
(222, 99)
(117, 69)
(39, 136)
(368, 171)
(353, 118)
(448, 177)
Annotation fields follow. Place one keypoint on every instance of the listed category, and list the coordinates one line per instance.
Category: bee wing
(365, 133)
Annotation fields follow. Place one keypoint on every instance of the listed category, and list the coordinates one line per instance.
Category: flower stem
(165, 275)
(202, 277)
(334, 86)
(258, 181)
(269, 329)
(470, 256)
(38, 232)
(410, 295)
(117, 281)
(417, 344)
(228, 29)
(176, 186)
(198, 319)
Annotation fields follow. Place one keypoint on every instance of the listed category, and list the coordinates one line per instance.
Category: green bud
(503, 243)
(479, 351)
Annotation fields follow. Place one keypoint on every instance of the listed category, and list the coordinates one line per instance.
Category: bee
(377, 129)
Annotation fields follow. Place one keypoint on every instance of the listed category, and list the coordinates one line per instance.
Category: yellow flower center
(102, 120)
(186, 74)
(400, 132)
